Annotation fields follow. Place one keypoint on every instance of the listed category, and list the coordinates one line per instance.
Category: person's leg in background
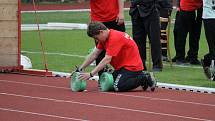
(139, 36)
(182, 33)
(191, 24)
(175, 32)
(195, 32)
(209, 25)
(154, 36)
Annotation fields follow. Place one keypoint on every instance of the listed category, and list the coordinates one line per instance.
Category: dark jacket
(165, 4)
(144, 8)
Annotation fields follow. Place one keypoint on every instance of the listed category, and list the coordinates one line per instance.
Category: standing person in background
(111, 14)
(209, 25)
(144, 17)
(190, 22)
(146, 21)
(165, 13)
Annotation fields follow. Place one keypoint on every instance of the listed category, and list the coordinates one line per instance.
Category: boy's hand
(120, 19)
(178, 9)
(77, 69)
(85, 76)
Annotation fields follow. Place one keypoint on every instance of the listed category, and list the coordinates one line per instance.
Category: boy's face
(101, 37)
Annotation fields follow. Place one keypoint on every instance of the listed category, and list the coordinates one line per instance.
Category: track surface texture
(32, 98)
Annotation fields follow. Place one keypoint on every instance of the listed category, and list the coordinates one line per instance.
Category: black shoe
(206, 69)
(174, 59)
(155, 69)
(195, 62)
(180, 62)
(187, 59)
(165, 58)
(144, 82)
(145, 85)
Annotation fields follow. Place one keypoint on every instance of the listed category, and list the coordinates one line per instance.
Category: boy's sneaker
(152, 83)
(145, 85)
(144, 82)
(206, 69)
(195, 62)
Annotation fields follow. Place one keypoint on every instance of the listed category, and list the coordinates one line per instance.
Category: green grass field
(76, 44)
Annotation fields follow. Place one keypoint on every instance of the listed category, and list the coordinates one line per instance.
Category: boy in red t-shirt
(111, 14)
(123, 56)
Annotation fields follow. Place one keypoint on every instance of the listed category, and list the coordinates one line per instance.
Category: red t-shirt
(190, 5)
(104, 10)
(123, 50)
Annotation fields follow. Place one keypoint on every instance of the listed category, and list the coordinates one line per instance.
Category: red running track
(32, 98)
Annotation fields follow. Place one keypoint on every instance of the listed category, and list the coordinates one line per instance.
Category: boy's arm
(178, 5)
(106, 60)
(90, 58)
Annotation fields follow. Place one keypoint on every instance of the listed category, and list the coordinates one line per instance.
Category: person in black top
(188, 20)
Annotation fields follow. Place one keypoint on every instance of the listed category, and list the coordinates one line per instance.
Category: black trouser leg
(182, 34)
(194, 33)
(176, 32)
(154, 37)
(139, 35)
(141, 27)
(193, 42)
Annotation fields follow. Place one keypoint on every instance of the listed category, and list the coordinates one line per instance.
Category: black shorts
(125, 80)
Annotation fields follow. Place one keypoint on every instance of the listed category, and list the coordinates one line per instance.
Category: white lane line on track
(41, 114)
(118, 94)
(32, 84)
(105, 106)
(160, 99)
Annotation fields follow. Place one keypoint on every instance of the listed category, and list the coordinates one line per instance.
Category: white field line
(81, 56)
(55, 53)
(59, 26)
(117, 94)
(41, 114)
(105, 106)
(72, 10)
(51, 11)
